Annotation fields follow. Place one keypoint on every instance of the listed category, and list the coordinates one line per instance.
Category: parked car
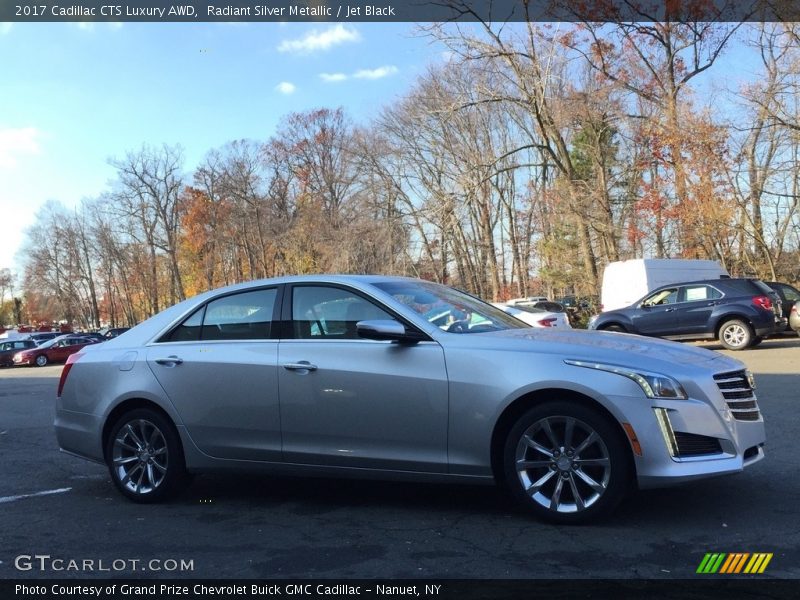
(274, 375)
(44, 336)
(789, 296)
(112, 332)
(794, 317)
(737, 312)
(526, 300)
(52, 351)
(536, 317)
(549, 306)
(8, 348)
(95, 335)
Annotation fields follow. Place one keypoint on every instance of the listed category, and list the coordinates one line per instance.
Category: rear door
(218, 368)
(695, 304)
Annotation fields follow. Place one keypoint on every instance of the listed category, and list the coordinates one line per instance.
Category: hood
(622, 349)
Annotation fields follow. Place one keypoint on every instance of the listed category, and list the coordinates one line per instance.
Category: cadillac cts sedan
(352, 376)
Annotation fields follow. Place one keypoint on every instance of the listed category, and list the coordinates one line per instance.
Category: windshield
(450, 310)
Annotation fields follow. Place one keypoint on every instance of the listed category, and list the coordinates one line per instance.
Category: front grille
(738, 394)
(690, 444)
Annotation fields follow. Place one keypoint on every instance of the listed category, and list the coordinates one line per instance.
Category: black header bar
(399, 10)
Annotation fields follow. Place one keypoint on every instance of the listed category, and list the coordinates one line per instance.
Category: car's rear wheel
(145, 457)
(41, 360)
(567, 463)
(735, 334)
(614, 327)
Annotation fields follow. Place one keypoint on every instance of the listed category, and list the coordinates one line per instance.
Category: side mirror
(386, 330)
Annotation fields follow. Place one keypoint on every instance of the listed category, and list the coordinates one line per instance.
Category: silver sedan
(388, 377)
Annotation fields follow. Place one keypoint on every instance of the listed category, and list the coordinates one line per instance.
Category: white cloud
(284, 87)
(5, 28)
(332, 77)
(378, 73)
(320, 40)
(16, 142)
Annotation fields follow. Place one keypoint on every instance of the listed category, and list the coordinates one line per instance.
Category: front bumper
(704, 436)
(22, 360)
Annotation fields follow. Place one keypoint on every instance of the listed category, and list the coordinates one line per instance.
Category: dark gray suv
(737, 312)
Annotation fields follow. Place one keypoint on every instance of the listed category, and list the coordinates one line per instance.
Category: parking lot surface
(252, 526)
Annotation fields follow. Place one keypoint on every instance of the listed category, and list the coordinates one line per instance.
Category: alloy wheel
(563, 464)
(140, 456)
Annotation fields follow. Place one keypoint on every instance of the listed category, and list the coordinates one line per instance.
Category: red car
(56, 350)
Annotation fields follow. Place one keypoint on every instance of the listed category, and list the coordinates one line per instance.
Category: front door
(352, 402)
(656, 314)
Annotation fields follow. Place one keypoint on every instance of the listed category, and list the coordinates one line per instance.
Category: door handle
(669, 310)
(302, 365)
(170, 361)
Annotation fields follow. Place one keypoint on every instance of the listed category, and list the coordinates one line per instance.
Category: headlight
(750, 379)
(654, 385)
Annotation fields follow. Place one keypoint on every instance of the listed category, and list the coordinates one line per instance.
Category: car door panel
(360, 403)
(221, 376)
(226, 393)
(656, 318)
(694, 309)
(366, 404)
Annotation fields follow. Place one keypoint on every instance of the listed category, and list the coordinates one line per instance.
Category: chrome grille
(738, 394)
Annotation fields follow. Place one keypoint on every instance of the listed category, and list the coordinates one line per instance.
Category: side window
(790, 293)
(244, 316)
(325, 312)
(189, 330)
(668, 296)
(696, 293)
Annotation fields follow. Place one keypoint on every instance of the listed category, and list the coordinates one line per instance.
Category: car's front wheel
(41, 360)
(145, 457)
(735, 334)
(567, 463)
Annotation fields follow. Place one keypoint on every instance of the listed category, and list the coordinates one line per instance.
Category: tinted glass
(320, 312)
(189, 330)
(245, 316)
(791, 294)
(695, 293)
(668, 296)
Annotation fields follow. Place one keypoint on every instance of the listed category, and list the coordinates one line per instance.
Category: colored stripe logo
(734, 563)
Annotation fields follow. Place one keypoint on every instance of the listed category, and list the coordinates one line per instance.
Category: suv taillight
(71, 359)
(762, 302)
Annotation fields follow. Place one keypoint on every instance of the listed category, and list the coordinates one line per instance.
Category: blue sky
(72, 96)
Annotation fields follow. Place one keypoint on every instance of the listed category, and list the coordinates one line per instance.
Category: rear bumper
(771, 329)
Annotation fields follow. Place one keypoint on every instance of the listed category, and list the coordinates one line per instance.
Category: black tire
(756, 341)
(614, 327)
(735, 335)
(145, 457)
(558, 473)
(41, 360)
